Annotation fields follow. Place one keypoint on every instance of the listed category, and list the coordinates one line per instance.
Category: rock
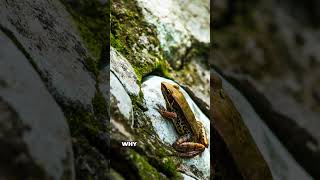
(134, 38)
(102, 2)
(115, 175)
(199, 165)
(124, 71)
(196, 77)
(44, 31)
(119, 97)
(231, 128)
(186, 177)
(177, 22)
(33, 129)
(196, 17)
(280, 161)
(90, 162)
(304, 12)
(281, 51)
(316, 95)
(221, 9)
(293, 124)
(104, 85)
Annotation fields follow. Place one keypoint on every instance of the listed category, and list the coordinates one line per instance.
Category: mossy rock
(136, 39)
(92, 20)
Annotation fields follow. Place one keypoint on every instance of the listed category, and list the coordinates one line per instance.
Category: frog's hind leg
(187, 148)
(188, 154)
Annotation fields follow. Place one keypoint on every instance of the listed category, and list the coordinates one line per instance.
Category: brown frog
(193, 138)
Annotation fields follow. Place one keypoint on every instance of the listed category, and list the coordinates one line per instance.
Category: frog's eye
(176, 86)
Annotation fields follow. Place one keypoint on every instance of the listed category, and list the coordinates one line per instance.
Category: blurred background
(270, 51)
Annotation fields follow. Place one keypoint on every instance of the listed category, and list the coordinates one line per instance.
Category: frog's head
(168, 89)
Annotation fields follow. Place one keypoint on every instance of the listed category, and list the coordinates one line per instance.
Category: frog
(192, 135)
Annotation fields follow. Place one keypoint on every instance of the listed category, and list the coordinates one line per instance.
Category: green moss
(81, 121)
(200, 49)
(127, 28)
(100, 106)
(145, 170)
(163, 66)
(92, 21)
(169, 165)
(92, 66)
(84, 122)
(158, 155)
(116, 43)
(166, 161)
(88, 160)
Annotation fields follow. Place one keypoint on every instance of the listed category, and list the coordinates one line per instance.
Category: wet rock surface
(124, 71)
(299, 137)
(268, 50)
(34, 135)
(49, 39)
(280, 161)
(120, 97)
(178, 24)
(48, 82)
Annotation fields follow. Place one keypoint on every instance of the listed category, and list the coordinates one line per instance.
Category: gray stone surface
(280, 161)
(104, 84)
(120, 97)
(46, 31)
(178, 22)
(26, 100)
(124, 71)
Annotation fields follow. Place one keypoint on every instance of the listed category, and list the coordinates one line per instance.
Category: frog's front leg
(165, 113)
(187, 148)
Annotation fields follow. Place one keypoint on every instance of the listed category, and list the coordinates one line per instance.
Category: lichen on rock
(134, 38)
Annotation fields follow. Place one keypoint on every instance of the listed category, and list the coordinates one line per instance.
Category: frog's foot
(189, 146)
(164, 113)
(186, 148)
(203, 136)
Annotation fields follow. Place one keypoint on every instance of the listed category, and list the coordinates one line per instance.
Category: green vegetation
(81, 121)
(92, 66)
(145, 170)
(100, 106)
(135, 39)
(92, 20)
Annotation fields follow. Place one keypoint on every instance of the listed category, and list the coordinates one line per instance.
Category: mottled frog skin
(193, 139)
